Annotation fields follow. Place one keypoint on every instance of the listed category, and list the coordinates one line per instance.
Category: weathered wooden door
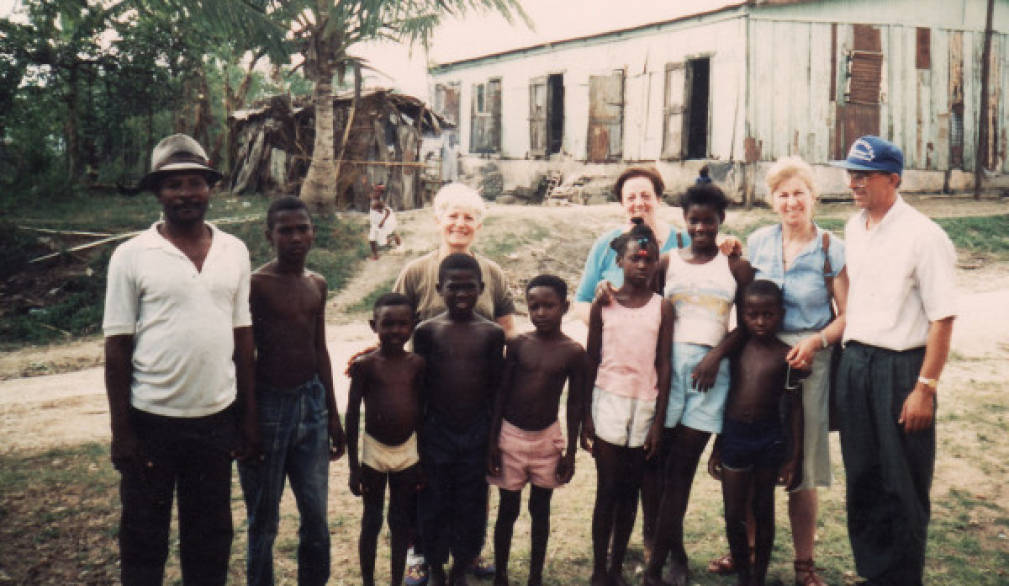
(672, 122)
(606, 117)
(485, 119)
(538, 116)
(859, 115)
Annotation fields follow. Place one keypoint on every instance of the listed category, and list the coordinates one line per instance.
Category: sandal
(481, 568)
(722, 565)
(808, 568)
(416, 575)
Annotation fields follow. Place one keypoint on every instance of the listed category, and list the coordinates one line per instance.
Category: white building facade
(738, 87)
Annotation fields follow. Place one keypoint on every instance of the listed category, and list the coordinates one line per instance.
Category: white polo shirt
(182, 320)
(901, 276)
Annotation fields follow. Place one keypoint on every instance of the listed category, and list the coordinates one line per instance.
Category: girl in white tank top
(702, 294)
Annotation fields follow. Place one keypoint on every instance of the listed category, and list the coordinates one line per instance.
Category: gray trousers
(888, 472)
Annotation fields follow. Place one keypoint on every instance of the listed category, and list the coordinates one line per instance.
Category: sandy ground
(39, 410)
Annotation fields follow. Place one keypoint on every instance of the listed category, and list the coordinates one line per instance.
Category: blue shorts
(746, 446)
(695, 409)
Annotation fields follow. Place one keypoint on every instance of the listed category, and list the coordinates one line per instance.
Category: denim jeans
(191, 455)
(294, 432)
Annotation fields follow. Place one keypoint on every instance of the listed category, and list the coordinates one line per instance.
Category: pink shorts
(528, 456)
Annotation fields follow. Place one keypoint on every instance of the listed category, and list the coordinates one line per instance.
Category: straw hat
(175, 153)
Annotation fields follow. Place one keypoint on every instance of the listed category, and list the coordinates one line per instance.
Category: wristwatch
(929, 382)
(823, 339)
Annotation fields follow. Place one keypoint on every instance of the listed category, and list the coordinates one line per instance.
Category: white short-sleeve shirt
(901, 278)
(182, 321)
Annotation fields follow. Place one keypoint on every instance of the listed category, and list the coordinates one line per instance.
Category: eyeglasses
(861, 178)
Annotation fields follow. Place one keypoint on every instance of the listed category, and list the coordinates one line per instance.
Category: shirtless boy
(525, 441)
(298, 419)
(389, 380)
(756, 448)
(463, 353)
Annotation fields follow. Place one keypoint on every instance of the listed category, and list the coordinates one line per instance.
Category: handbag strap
(828, 273)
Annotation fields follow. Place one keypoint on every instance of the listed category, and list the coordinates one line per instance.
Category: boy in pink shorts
(526, 443)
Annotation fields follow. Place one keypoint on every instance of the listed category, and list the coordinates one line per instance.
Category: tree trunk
(319, 187)
(70, 128)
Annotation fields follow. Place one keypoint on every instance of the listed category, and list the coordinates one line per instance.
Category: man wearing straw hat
(178, 372)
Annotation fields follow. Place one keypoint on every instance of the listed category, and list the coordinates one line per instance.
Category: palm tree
(321, 32)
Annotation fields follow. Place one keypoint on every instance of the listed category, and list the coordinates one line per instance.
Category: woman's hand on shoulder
(731, 246)
(605, 292)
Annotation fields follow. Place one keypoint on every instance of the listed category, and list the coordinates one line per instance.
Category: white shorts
(620, 420)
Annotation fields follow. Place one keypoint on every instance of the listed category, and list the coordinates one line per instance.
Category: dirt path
(69, 408)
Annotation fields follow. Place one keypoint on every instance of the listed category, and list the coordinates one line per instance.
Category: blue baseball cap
(872, 153)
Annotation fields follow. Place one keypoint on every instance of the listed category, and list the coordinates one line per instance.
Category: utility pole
(982, 136)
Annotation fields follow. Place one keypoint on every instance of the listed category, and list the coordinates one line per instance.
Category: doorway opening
(555, 113)
(698, 79)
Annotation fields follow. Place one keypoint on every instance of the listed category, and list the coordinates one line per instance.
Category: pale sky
(484, 33)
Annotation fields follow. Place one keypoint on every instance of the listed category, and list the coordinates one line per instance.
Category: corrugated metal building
(738, 87)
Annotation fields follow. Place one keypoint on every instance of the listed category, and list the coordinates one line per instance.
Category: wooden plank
(776, 145)
(818, 142)
(894, 123)
(939, 133)
(800, 90)
(971, 96)
(762, 90)
(1003, 138)
(956, 100)
(912, 138)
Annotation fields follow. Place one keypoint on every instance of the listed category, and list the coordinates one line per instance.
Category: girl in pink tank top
(629, 348)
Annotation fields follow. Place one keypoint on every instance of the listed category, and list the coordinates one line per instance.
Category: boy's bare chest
(285, 300)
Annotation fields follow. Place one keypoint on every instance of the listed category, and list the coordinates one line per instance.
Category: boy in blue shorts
(760, 443)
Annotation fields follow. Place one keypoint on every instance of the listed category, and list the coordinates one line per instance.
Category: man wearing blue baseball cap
(900, 311)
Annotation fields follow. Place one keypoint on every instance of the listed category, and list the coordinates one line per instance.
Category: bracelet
(929, 382)
(823, 339)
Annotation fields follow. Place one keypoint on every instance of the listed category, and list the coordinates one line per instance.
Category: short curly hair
(707, 194)
(461, 196)
(646, 172)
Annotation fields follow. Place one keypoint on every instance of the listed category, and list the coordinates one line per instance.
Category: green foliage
(15, 249)
(78, 305)
(986, 234)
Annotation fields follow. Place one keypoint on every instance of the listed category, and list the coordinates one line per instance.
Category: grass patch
(59, 513)
(980, 234)
(500, 246)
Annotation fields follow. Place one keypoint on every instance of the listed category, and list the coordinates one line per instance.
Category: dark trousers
(192, 456)
(453, 505)
(888, 471)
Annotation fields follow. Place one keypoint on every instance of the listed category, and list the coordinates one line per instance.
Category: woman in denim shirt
(791, 254)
